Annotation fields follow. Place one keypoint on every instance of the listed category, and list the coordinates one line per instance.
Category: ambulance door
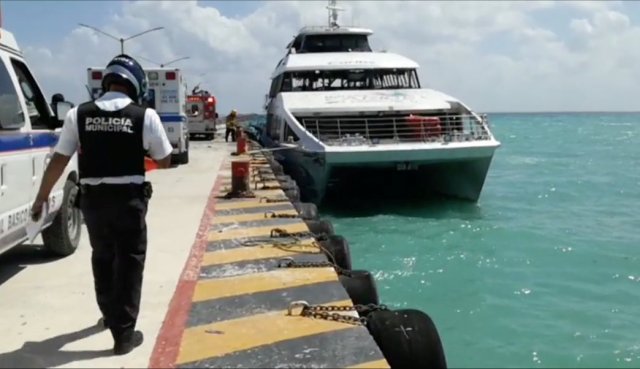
(152, 77)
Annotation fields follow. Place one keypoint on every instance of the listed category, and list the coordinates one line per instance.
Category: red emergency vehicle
(201, 114)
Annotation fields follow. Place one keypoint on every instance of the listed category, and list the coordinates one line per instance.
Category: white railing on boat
(354, 130)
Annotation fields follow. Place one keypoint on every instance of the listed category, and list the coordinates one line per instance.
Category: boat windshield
(333, 43)
(350, 79)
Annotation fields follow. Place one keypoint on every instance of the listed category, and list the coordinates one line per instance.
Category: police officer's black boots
(127, 342)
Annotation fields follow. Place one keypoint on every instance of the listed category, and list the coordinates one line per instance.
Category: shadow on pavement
(19, 258)
(48, 353)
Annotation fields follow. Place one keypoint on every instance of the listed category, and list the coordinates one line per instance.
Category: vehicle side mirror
(57, 97)
(217, 116)
(61, 110)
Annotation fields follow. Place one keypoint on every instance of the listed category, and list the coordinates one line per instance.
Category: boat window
(334, 43)
(297, 42)
(350, 79)
(275, 86)
(286, 83)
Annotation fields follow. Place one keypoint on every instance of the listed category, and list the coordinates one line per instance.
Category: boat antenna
(333, 13)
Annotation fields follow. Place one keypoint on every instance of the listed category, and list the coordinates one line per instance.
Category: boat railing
(352, 130)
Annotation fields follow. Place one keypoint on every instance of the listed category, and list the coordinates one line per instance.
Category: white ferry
(346, 115)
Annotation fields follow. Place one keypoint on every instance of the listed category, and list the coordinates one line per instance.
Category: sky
(494, 55)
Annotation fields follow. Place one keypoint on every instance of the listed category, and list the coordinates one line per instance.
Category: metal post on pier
(120, 39)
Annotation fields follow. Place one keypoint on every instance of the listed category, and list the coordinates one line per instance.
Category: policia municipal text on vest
(120, 152)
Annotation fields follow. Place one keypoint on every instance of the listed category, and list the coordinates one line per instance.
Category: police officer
(112, 136)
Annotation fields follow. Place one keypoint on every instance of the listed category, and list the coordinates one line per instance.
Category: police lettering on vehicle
(17, 219)
(111, 124)
(20, 217)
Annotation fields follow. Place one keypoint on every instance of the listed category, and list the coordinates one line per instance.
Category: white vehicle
(166, 95)
(346, 115)
(28, 133)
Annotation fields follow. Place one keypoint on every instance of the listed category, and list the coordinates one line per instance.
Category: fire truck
(166, 95)
(201, 114)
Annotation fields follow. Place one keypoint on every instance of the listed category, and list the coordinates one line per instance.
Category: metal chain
(268, 241)
(279, 232)
(357, 308)
(287, 245)
(349, 319)
(274, 200)
(263, 178)
(265, 187)
(275, 215)
(328, 312)
(289, 248)
(287, 242)
(290, 263)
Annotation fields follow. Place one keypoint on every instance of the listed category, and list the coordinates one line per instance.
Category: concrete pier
(213, 296)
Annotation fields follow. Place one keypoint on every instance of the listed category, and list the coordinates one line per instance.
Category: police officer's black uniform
(111, 136)
(115, 213)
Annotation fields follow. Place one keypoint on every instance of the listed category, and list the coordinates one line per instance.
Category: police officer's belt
(143, 189)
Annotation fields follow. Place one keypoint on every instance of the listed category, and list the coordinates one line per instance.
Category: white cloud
(591, 6)
(581, 26)
(590, 67)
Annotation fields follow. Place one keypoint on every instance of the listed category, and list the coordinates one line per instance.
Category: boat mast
(333, 13)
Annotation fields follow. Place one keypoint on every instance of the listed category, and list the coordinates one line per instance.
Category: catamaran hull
(459, 173)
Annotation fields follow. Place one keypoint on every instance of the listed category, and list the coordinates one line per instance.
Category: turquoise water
(544, 270)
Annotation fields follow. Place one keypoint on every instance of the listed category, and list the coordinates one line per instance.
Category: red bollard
(240, 171)
(241, 145)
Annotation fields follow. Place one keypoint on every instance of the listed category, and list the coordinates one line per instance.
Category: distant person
(232, 125)
(55, 99)
(111, 136)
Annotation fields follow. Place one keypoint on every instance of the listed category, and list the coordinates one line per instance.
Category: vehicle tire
(210, 136)
(63, 235)
(183, 158)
